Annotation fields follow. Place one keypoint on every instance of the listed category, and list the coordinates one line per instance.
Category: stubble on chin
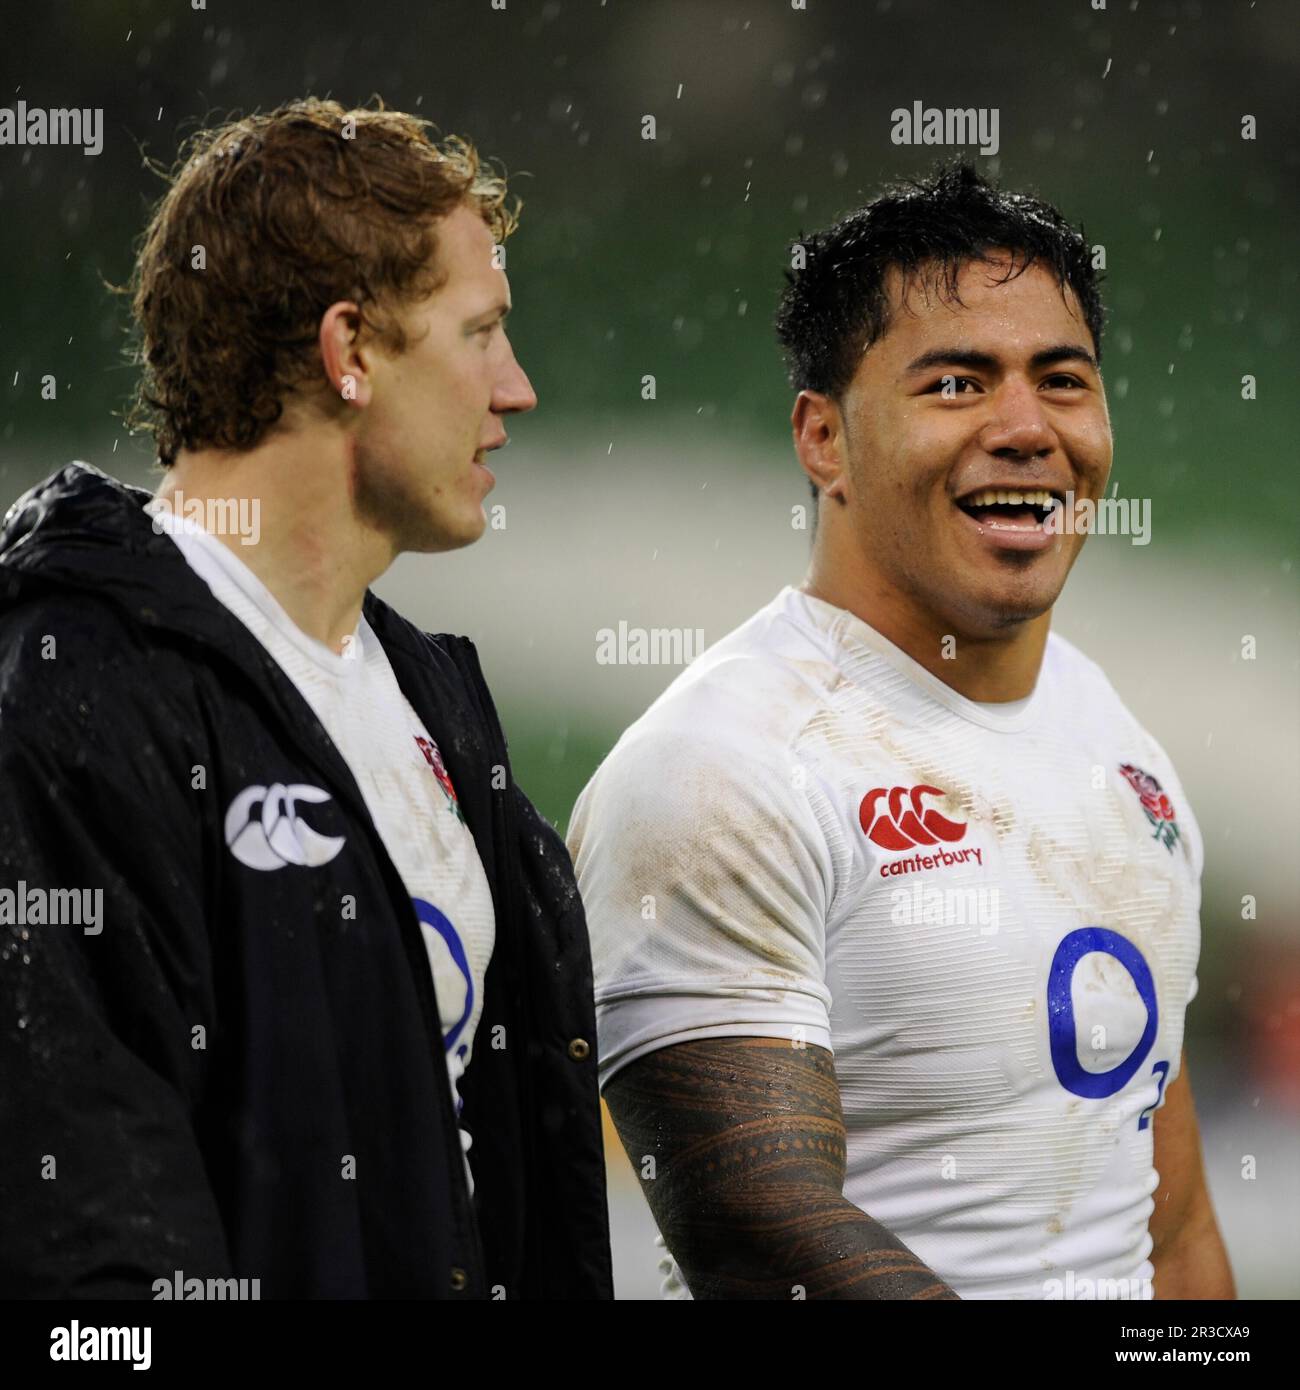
(1020, 598)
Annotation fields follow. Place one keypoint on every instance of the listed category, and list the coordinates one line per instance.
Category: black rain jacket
(241, 1072)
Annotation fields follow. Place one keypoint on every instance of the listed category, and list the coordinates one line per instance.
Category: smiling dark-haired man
(894, 905)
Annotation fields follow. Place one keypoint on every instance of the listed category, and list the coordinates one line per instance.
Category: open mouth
(1026, 507)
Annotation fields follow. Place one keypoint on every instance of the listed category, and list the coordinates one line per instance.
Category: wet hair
(268, 220)
(837, 306)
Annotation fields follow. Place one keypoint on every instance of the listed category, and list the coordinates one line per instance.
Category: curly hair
(268, 221)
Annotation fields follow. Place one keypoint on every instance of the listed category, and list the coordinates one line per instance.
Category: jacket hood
(84, 531)
(81, 531)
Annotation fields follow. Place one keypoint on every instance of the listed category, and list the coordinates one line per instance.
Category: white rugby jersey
(990, 914)
(401, 776)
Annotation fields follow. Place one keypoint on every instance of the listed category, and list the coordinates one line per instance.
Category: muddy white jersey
(990, 914)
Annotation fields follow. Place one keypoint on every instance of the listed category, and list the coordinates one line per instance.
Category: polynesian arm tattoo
(740, 1148)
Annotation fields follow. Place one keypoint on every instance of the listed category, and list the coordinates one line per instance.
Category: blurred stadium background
(664, 258)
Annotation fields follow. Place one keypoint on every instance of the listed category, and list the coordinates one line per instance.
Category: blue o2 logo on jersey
(452, 977)
(1061, 1025)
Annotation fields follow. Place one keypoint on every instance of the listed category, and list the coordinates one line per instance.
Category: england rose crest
(1155, 803)
(434, 758)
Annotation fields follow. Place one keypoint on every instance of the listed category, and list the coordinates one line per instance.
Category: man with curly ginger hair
(322, 1018)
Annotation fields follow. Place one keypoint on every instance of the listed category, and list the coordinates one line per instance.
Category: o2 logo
(453, 980)
(1061, 1027)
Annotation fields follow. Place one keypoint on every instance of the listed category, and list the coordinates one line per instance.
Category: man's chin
(998, 610)
(985, 604)
(438, 538)
(1016, 585)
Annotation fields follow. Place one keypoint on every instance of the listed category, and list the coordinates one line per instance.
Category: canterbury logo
(277, 836)
(894, 818)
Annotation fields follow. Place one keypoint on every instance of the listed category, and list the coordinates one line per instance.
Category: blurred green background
(665, 257)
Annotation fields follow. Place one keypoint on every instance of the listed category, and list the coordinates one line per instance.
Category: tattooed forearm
(747, 1141)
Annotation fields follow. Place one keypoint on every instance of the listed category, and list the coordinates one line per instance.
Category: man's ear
(346, 362)
(818, 429)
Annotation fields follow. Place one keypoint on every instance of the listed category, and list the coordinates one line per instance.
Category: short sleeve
(706, 881)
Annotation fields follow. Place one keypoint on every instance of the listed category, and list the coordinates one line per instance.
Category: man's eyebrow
(500, 310)
(951, 357)
(1063, 352)
(987, 362)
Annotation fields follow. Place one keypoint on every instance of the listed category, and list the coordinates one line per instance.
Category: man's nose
(1020, 425)
(514, 393)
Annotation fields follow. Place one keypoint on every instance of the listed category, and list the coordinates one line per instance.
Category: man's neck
(992, 670)
(305, 544)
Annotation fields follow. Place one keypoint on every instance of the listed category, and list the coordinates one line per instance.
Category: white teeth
(1038, 497)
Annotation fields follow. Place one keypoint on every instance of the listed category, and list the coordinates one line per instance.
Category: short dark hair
(835, 308)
